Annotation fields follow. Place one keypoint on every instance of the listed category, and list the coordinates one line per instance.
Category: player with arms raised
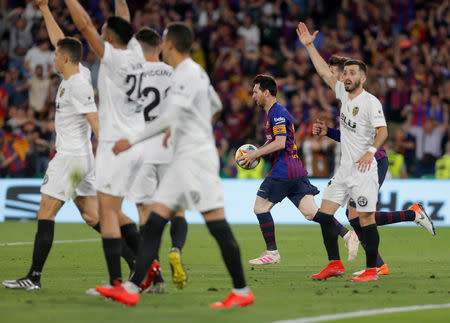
(70, 174)
(119, 115)
(192, 180)
(362, 120)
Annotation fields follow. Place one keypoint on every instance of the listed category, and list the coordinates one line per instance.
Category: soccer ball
(240, 152)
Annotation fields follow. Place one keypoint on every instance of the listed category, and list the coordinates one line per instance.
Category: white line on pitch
(56, 241)
(332, 317)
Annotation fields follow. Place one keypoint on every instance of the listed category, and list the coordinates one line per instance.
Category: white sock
(241, 291)
(130, 287)
(272, 251)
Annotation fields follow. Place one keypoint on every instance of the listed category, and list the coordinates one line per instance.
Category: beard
(354, 87)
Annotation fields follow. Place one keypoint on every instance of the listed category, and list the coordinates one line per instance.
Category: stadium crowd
(405, 43)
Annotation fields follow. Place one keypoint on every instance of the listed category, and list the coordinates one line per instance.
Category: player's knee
(90, 219)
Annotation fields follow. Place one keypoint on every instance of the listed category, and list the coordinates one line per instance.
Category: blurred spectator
(39, 55)
(38, 92)
(443, 164)
(20, 40)
(428, 145)
(405, 43)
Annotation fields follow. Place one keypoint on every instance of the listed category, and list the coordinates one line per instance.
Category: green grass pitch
(419, 265)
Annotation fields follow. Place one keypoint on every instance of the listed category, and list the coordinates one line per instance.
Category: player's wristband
(372, 149)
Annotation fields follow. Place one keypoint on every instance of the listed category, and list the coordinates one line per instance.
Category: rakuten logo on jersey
(279, 120)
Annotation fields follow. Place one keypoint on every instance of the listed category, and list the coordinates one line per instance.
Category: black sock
(42, 244)
(357, 227)
(231, 254)
(131, 235)
(97, 227)
(178, 232)
(329, 234)
(151, 239)
(267, 227)
(112, 249)
(126, 253)
(372, 238)
(340, 228)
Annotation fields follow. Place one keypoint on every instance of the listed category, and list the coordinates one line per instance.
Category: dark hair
(339, 61)
(120, 29)
(266, 82)
(181, 35)
(362, 66)
(72, 48)
(148, 37)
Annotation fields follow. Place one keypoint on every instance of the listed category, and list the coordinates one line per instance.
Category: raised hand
(319, 128)
(41, 3)
(303, 34)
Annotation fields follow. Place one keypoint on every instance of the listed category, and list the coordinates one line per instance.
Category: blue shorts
(382, 165)
(276, 189)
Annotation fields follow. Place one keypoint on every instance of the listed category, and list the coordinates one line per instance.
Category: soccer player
(119, 115)
(362, 120)
(155, 82)
(287, 178)
(71, 172)
(192, 179)
(415, 213)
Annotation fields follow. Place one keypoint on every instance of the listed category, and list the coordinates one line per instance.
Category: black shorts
(382, 165)
(276, 189)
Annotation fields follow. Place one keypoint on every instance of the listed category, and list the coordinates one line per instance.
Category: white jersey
(75, 97)
(190, 95)
(358, 122)
(119, 85)
(155, 84)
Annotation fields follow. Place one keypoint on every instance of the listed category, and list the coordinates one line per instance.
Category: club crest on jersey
(62, 92)
(355, 111)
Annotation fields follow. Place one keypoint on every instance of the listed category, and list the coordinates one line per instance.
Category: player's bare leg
(43, 241)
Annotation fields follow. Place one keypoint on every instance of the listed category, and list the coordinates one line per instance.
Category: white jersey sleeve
(216, 104)
(376, 114)
(134, 45)
(85, 72)
(339, 89)
(83, 98)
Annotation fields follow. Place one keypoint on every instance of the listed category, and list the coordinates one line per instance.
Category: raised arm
(122, 9)
(319, 63)
(84, 24)
(53, 29)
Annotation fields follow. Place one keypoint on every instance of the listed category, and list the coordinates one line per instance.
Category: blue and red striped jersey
(285, 162)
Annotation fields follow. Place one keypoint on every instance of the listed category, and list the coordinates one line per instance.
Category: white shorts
(115, 174)
(349, 182)
(69, 176)
(146, 183)
(192, 183)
